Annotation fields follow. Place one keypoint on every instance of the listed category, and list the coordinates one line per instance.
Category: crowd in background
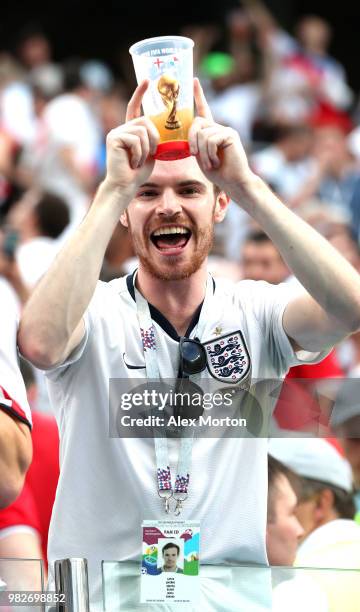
(299, 121)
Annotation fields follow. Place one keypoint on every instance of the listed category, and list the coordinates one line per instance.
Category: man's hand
(218, 149)
(130, 146)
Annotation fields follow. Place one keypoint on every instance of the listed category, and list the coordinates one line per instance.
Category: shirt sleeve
(269, 303)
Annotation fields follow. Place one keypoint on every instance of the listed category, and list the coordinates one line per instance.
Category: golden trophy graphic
(169, 88)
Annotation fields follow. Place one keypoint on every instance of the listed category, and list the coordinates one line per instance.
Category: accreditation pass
(170, 562)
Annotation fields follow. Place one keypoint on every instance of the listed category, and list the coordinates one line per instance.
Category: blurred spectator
(283, 531)
(24, 525)
(325, 510)
(119, 255)
(16, 107)
(286, 164)
(237, 106)
(261, 259)
(9, 268)
(96, 76)
(355, 210)
(33, 47)
(336, 174)
(299, 406)
(345, 421)
(300, 72)
(204, 35)
(344, 241)
(111, 113)
(233, 80)
(63, 157)
(32, 238)
(38, 220)
(46, 83)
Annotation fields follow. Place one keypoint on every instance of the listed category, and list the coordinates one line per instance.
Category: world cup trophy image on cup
(169, 90)
(167, 62)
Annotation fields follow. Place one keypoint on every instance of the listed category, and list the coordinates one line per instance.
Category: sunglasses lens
(193, 357)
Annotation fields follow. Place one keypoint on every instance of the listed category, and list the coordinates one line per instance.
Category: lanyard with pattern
(164, 482)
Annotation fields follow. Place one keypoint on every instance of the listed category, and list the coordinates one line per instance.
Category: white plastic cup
(167, 61)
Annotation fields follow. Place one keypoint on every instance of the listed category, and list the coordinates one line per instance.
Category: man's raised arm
(51, 325)
(331, 311)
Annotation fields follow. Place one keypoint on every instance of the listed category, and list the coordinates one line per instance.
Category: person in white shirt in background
(300, 72)
(38, 219)
(286, 164)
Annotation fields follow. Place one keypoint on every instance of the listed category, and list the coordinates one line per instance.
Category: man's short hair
(171, 545)
(257, 236)
(52, 214)
(343, 500)
(72, 76)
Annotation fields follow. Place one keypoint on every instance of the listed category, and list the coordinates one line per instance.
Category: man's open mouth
(174, 237)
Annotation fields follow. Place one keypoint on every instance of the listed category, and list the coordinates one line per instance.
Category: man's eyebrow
(186, 183)
(149, 185)
(191, 182)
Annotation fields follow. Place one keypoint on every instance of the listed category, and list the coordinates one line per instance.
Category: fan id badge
(170, 562)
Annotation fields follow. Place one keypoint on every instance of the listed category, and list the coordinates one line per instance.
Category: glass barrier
(21, 585)
(240, 588)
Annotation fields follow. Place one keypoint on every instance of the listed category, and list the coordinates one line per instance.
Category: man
(283, 531)
(170, 553)
(261, 259)
(108, 486)
(325, 508)
(39, 220)
(15, 419)
(325, 511)
(286, 164)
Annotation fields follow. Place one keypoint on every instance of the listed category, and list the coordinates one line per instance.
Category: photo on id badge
(170, 561)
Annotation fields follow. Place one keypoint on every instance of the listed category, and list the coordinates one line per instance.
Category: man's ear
(221, 205)
(324, 506)
(124, 219)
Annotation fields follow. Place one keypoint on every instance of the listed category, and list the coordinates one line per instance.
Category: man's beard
(175, 271)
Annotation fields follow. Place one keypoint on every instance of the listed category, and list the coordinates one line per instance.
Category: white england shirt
(107, 486)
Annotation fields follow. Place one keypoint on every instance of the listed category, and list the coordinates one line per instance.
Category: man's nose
(168, 204)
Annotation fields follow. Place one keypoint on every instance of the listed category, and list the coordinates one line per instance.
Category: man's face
(170, 557)
(171, 219)
(306, 512)
(262, 261)
(330, 144)
(284, 530)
